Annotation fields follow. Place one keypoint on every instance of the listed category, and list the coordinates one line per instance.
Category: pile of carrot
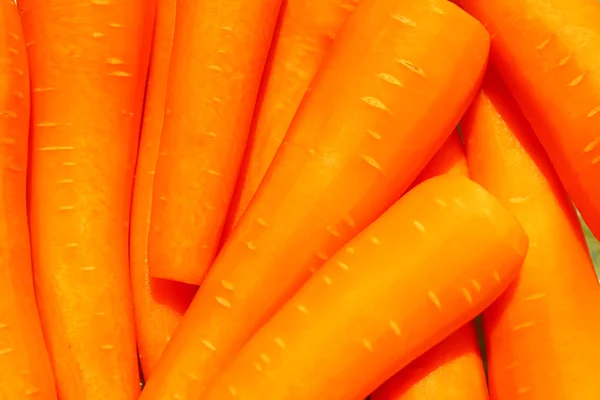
(299, 199)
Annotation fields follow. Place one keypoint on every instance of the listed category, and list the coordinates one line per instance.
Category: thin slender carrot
(88, 62)
(450, 159)
(453, 369)
(307, 30)
(544, 52)
(541, 336)
(347, 157)
(361, 318)
(158, 304)
(219, 52)
(25, 369)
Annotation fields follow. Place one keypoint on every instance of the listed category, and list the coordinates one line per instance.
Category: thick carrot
(158, 304)
(307, 30)
(88, 62)
(544, 50)
(450, 159)
(453, 369)
(219, 52)
(348, 156)
(542, 335)
(25, 369)
(361, 318)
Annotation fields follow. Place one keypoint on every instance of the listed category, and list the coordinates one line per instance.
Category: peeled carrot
(544, 52)
(361, 318)
(159, 304)
(453, 369)
(25, 369)
(542, 335)
(450, 159)
(88, 62)
(307, 30)
(348, 156)
(219, 52)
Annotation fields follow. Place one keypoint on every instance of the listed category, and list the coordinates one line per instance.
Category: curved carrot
(158, 304)
(452, 369)
(25, 369)
(541, 336)
(347, 157)
(88, 62)
(307, 30)
(543, 50)
(219, 52)
(360, 318)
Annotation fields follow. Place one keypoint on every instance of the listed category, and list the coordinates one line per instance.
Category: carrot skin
(219, 52)
(541, 335)
(25, 369)
(88, 62)
(544, 51)
(453, 369)
(307, 30)
(360, 318)
(449, 159)
(344, 161)
(158, 304)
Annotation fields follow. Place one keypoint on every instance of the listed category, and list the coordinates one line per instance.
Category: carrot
(219, 52)
(541, 336)
(159, 304)
(25, 369)
(450, 159)
(543, 51)
(452, 369)
(348, 156)
(307, 30)
(88, 62)
(361, 318)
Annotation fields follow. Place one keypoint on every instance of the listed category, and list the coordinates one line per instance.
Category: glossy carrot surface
(545, 51)
(25, 369)
(541, 336)
(219, 52)
(347, 157)
(360, 318)
(88, 64)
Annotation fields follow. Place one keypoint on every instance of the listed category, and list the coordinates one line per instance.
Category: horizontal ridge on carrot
(219, 52)
(453, 369)
(88, 64)
(542, 334)
(22, 346)
(307, 30)
(361, 317)
(158, 304)
(349, 154)
(545, 51)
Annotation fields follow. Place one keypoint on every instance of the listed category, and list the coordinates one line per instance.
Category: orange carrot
(307, 30)
(542, 335)
(159, 304)
(348, 156)
(25, 369)
(452, 369)
(88, 62)
(361, 318)
(543, 50)
(219, 52)
(450, 159)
